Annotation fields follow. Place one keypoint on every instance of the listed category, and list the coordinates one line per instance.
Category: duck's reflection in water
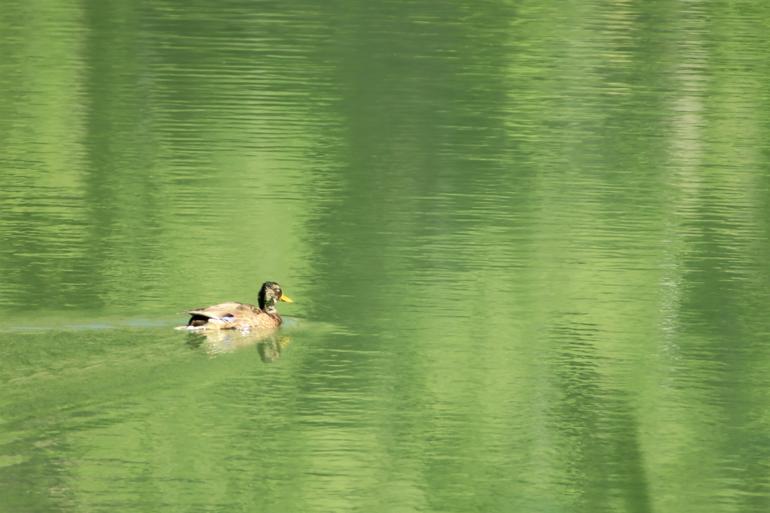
(269, 345)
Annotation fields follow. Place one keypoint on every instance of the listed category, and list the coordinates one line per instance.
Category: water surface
(528, 246)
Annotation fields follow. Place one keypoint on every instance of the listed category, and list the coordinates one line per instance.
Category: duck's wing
(223, 310)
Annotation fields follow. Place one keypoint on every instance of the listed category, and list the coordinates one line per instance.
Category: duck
(241, 316)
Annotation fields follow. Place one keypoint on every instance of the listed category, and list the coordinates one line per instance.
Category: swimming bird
(242, 316)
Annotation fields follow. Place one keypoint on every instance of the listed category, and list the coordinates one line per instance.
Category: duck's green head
(269, 293)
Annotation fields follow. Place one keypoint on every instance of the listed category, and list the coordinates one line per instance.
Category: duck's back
(225, 310)
(232, 315)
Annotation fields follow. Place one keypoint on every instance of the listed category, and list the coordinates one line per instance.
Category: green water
(528, 244)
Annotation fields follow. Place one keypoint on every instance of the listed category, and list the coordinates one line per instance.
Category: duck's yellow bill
(285, 299)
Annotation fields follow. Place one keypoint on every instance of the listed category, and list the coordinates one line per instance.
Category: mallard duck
(231, 316)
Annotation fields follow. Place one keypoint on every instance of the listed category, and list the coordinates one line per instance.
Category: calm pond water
(528, 244)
